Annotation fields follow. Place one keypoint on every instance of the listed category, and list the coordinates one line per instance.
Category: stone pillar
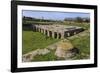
(68, 34)
(62, 35)
(45, 32)
(57, 35)
(41, 30)
(74, 32)
(53, 34)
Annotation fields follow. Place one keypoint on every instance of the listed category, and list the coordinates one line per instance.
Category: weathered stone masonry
(57, 31)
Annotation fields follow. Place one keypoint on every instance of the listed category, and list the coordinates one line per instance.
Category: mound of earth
(65, 49)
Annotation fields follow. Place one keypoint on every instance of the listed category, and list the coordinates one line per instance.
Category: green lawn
(35, 40)
(39, 22)
(83, 25)
(83, 44)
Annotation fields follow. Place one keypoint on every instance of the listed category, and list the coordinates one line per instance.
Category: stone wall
(57, 31)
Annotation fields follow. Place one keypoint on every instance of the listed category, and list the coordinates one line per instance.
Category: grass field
(82, 42)
(35, 40)
(35, 22)
(83, 25)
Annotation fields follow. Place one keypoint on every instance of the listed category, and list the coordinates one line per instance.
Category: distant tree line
(78, 19)
(37, 19)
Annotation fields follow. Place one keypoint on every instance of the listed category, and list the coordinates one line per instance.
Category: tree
(79, 19)
(68, 19)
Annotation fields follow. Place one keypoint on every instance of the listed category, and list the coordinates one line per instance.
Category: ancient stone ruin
(57, 31)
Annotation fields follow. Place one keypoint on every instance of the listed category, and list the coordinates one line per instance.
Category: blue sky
(54, 15)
